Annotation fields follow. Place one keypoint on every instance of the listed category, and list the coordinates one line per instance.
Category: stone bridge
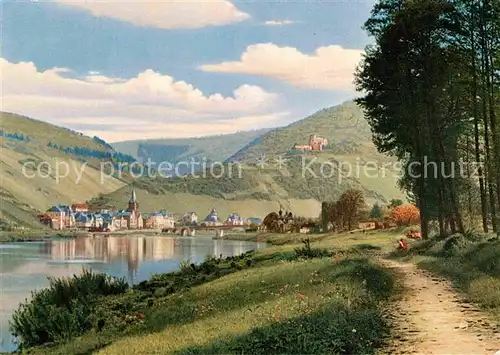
(191, 230)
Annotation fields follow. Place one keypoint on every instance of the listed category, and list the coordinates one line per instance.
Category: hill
(211, 148)
(299, 183)
(343, 125)
(42, 148)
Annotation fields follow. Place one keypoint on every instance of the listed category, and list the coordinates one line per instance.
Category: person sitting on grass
(402, 244)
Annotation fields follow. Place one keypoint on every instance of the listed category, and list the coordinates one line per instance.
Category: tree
(406, 214)
(395, 203)
(376, 211)
(351, 205)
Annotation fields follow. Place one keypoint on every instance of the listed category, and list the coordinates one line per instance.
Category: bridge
(186, 230)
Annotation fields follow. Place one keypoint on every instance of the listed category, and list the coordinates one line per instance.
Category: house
(366, 225)
(158, 220)
(235, 220)
(254, 220)
(189, 218)
(57, 217)
(212, 219)
(45, 219)
(79, 207)
(120, 220)
(83, 220)
(97, 220)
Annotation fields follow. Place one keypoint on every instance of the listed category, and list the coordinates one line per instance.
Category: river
(25, 267)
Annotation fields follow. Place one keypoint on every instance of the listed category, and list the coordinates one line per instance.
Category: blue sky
(125, 70)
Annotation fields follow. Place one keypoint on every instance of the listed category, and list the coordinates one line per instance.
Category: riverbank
(44, 235)
(37, 236)
(336, 294)
(269, 301)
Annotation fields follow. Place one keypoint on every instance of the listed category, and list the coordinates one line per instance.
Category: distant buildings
(158, 220)
(254, 220)
(235, 220)
(80, 207)
(189, 218)
(131, 217)
(212, 219)
(316, 143)
(78, 217)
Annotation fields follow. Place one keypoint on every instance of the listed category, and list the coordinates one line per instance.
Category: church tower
(132, 203)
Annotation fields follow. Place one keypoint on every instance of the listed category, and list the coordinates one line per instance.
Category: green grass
(278, 300)
(343, 126)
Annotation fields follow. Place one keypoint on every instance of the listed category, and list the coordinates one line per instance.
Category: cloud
(165, 14)
(146, 106)
(279, 22)
(329, 68)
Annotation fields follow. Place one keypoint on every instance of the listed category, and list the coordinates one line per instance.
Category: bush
(307, 252)
(455, 244)
(63, 310)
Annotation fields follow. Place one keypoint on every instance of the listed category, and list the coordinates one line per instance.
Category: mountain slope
(343, 125)
(212, 148)
(300, 182)
(42, 148)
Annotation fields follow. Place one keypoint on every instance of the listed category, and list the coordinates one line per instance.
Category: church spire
(132, 203)
(133, 197)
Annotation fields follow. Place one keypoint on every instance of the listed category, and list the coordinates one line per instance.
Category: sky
(125, 70)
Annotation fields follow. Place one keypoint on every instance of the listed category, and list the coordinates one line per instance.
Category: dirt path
(431, 318)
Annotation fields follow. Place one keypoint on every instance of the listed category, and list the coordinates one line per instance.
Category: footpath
(432, 318)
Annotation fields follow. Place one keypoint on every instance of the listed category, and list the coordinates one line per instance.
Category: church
(131, 217)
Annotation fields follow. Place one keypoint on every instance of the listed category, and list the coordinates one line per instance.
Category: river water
(25, 267)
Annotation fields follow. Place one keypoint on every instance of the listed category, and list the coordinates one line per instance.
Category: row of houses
(77, 216)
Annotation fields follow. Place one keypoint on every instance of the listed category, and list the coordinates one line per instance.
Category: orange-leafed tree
(406, 214)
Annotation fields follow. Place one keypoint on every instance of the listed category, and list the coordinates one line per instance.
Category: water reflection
(26, 266)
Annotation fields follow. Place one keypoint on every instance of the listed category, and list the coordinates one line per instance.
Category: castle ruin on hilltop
(316, 143)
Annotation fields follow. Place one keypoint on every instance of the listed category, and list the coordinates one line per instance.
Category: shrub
(63, 310)
(455, 244)
(307, 252)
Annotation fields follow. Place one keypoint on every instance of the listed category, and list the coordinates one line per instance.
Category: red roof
(79, 205)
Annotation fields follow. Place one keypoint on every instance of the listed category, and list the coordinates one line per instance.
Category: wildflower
(354, 330)
(140, 316)
(301, 296)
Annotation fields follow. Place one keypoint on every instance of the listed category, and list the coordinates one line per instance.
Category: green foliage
(395, 203)
(350, 322)
(307, 252)
(376, 211)
(63, 310)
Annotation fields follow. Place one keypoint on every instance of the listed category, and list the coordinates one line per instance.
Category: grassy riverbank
(292, 298)
(326, 297)
(44, 234)
(37, 235)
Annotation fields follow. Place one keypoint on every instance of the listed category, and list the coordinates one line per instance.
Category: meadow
(325, 294)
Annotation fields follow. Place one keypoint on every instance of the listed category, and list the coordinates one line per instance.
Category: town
(78, 217)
